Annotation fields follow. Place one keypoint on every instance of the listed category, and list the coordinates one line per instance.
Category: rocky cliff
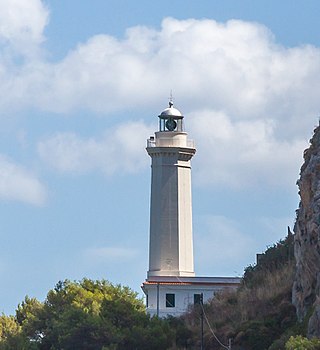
(306, 287)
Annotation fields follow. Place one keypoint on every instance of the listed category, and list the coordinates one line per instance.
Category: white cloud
(16, 183)
(243, 153)
(22, 63)
(256, 100)
(239, 153)
(118, 150)
(235, 66)
(21, 25)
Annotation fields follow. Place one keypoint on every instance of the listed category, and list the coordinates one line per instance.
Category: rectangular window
(196, 299)
(170, 300)
(147, 301)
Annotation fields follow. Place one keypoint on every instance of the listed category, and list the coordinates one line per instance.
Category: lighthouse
(171, 242)
(171, 285)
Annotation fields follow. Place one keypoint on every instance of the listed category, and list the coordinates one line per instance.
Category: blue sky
(82, 84)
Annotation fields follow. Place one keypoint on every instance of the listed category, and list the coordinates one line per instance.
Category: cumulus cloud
(241, 153)
(16, 183)
(21, 26)
(235, 66)
(250, 101)
(244, 152)
(22, 62)
(119, 149)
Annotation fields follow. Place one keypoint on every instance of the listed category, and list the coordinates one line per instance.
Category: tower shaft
(171, 242)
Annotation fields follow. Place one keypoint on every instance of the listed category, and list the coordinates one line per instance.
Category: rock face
(306, 287)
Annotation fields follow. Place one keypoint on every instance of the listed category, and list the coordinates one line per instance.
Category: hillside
(260, 312)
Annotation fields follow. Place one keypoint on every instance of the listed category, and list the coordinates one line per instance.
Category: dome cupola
(171, 119)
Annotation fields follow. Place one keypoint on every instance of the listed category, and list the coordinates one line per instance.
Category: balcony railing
(169, 142)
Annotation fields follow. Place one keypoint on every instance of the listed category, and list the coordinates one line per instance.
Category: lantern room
(171, 119)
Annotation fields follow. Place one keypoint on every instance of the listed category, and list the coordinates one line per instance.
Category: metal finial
(170, 99)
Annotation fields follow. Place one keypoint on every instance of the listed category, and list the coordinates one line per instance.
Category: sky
(82, 83)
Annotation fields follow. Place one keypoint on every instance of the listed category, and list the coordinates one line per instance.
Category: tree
(11, 336)
(90, 315)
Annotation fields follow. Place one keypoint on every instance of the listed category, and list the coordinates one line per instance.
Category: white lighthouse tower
(171, 285)
(171, 245)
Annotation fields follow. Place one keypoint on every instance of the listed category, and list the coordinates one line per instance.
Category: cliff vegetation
(260, 314)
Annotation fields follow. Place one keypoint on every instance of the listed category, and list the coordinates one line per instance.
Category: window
(196, 299)
(147, 300)
(170, 300)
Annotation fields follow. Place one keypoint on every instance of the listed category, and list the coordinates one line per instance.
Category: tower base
(174, 295)
(171, 273)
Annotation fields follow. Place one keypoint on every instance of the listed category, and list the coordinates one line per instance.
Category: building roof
(179, 280)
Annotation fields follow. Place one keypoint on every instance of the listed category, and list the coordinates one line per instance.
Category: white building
(171, 285)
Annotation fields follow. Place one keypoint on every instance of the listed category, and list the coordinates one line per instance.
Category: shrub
(301, 343)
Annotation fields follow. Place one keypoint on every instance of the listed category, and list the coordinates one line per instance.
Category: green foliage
(273, 259)
(182, 334)
(84, 315)
(11, 335)
(8, 326)
(279, 344)
(258, 334)
(301, 343)
(259, 315)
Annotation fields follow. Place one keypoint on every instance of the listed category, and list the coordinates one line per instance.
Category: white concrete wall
(184, 297)
(171, 139)
(164, 241)
(186, 264)
(171, 245)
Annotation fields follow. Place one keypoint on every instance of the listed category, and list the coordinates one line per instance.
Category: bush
(301, 343)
